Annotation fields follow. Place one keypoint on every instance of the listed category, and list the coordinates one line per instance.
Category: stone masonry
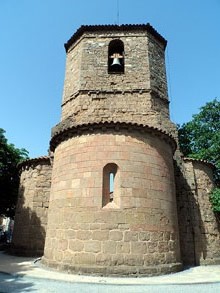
(91, 95)
(114, 122)
(122, 199)
(33, 202)
(199, 230)
(138, 234)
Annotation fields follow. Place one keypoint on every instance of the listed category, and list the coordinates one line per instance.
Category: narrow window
(109, 183)
(116, 57)
(111, 187)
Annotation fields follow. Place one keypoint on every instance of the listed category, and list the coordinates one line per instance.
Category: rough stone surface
(91, 94)
(32, 207)
(158, 215)
(199, 229)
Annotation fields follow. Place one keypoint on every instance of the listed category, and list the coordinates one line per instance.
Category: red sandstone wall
(139, 232)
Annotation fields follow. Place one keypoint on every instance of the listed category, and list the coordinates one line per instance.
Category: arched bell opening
(116, 56)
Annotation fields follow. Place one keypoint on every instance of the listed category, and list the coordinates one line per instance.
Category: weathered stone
(116, 127)
(84, 234)
(144, 236)
(109, 247)
(131, 236)
(100, 235)
(115, 235)
(92, 246)
(76, 245)
(32, 207)
(197, 222)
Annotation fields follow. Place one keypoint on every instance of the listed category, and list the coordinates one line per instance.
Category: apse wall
(136, 232)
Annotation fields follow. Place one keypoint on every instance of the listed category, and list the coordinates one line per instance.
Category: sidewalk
(19, 266)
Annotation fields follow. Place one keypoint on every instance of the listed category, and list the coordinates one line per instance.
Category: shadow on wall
(217, 216)
(193, 242)
(29, 233)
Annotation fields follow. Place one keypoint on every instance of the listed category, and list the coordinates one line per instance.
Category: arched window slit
(109, 183)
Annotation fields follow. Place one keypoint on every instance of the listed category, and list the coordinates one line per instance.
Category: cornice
(103, 127)
(110, 28)
(99, 93)
(34, 161)
(199, 161)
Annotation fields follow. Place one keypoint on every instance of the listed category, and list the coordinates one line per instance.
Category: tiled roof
(119, 28)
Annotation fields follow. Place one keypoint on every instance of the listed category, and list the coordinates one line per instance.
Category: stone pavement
(26, 266)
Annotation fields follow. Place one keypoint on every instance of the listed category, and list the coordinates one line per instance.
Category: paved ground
(22, 274)
(9, 284)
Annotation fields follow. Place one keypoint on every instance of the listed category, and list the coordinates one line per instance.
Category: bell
(116, 62)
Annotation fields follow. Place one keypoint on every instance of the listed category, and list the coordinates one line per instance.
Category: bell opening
(116, 57)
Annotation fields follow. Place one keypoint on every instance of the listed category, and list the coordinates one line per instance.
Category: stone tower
(112, 205)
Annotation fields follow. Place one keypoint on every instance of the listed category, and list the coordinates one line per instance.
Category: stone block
(76, 245)
(63, 244)
(156, 236)
(130, 236)
(84, 234)
(92, 246)
(148, 259)
(109, 247)
(103, 259)
(123, 247)
(115, 235)
(70, 234)
(133, 260)
(144, 236)
(84, 258)
(138, 247)
(100, 235)
(152, 246)
(117, 259)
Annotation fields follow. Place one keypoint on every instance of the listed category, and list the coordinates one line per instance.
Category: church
(115, 196)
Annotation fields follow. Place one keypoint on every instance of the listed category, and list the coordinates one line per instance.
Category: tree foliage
(215, 199)
(200, 138)
(10, 156)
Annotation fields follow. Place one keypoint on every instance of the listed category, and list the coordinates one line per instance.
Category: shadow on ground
(11, 282)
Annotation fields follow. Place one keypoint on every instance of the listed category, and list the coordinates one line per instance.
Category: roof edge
(91, 28)
(71, 131)
(200, 161)
(29, 162)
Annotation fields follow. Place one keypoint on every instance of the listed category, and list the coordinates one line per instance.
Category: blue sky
(32, 59)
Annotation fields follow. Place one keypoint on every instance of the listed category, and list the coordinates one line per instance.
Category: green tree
(200, 138)
(215, 199)
(10, 156)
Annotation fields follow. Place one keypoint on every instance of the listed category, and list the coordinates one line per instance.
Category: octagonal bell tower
(98, 90)
(112, 204)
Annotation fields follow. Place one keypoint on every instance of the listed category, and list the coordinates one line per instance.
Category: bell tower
(115, 73)
(112, 204)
